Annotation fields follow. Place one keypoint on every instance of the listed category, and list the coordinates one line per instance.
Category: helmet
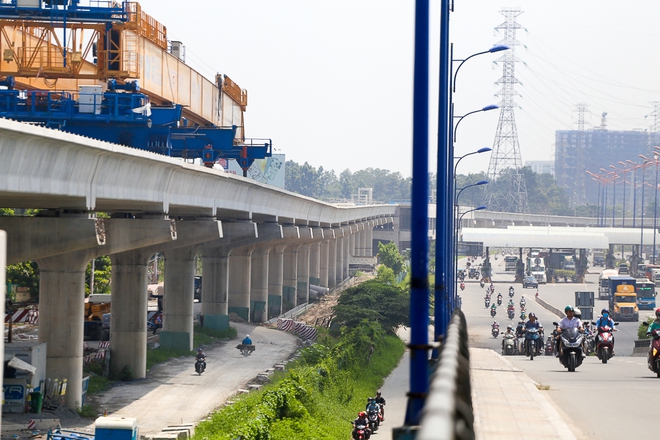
(569, 309)
(247, 336)
(604, 311)
(199, 350)
(657, 312)
(362, 414)
(508, 327)
(378, 393)
(532, 315)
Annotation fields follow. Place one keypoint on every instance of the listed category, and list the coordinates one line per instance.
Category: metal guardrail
(447, 413)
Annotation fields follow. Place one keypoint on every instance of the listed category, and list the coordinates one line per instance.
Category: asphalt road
(629, 390)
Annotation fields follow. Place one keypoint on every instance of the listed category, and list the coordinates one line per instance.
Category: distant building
(577, 152)
(541, 166)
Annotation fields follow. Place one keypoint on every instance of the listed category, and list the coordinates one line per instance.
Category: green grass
(317, 397)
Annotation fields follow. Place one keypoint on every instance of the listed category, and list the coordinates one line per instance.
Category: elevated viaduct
(261, 246)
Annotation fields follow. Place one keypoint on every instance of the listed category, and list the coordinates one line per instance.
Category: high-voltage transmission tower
(654, 138)
(507, 190)
(579, 179)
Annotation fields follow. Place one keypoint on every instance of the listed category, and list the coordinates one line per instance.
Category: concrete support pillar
(339, 274)
(339, 255)
(178, 299)
(290, 278)
(323, 263)
(275, 280)
(128, 325)
(216, 269)
(369, 232)
(363, 239)
(302, 286)
(215, 284)
(240, 265)
(61, 316)
(352, 244)
(315, 263)
(347, 256)
(259, 283)
(332, 262)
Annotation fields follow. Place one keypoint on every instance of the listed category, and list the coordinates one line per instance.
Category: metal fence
(447, 412)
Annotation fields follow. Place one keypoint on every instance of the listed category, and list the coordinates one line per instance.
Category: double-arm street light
(444, 272)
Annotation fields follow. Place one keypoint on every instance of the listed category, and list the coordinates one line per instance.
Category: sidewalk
(507, 403)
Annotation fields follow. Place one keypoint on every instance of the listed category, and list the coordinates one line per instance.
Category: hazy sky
(331, 81)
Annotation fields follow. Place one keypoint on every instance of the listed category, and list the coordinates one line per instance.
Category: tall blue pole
(445, 198)
(419, 288)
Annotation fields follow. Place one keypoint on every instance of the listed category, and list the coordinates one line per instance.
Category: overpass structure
(261, 246)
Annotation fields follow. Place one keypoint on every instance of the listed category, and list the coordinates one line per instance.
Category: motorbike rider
(372, 405)
(569, 321)
(495, 325)
(499, 297)
(534, 323)
(520, 328)
(523, 301)
(462, 285)
(605, 321)
(510, 289)
(508, 334)
(491, 288)
(362, 419)
(655, 324)
(381, 401)
(247, 340)
(200, 356)
(493, 308)
(481, 283)
(510, 304)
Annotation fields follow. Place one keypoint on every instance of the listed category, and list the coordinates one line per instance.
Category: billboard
(269, 170)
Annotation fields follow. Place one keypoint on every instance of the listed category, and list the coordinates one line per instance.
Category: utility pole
(505, 167)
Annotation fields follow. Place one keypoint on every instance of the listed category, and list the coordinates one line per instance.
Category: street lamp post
(446, 133)
(457, 227)
(634, 187)
(460, 118)
(623, 214)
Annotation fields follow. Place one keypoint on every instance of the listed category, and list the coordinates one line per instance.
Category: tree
(25, 274)
(389, 255)
(102, 275)
(373, 301)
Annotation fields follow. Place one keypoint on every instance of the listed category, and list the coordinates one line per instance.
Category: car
(530, 281)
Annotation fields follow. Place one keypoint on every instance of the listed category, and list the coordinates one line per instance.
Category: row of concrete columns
(248, 269)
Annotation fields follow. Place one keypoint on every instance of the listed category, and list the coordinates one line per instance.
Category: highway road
(629, 389)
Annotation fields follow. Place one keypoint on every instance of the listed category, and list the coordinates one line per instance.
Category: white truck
(538, 272)
(655, 275)
(604, 283)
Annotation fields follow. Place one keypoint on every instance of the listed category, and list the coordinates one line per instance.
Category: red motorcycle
(361, 433)
(605, 342)
(653, 357)
(462, 286)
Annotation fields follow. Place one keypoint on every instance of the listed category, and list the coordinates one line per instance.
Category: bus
(510, 262)
(645, 291)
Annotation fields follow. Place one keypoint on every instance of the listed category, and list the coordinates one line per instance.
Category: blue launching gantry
(98, 78)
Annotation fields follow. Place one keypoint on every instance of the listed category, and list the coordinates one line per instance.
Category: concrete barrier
(549, 307)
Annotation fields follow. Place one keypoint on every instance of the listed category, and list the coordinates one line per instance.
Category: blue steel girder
(58, 11)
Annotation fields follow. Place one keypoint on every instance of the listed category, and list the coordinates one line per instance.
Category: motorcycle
(510, 292)
(653, 358)
(509, 347)
(605, 342)
(360, 432)
(495, 330)
(487, 302)
(481, 283)
(499, 299)
(459, 301)
(523, 303)
(200, 366)
(246, 350)
(492, 289)
(549, 346)
(373, 414)
(570, 348)
(462, 286)
(493, 312)
(532, 339)
(512, 313)
(523, 315)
